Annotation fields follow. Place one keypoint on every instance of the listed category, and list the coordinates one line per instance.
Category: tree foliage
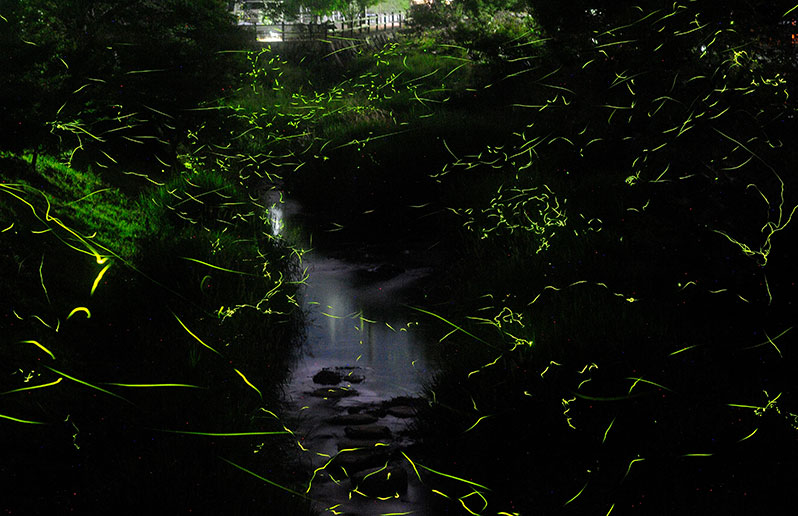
(82, 68)
(291, 9)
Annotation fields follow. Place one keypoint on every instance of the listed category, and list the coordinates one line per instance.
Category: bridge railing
(307, 28)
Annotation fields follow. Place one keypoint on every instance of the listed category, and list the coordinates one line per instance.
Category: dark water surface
(358, 326)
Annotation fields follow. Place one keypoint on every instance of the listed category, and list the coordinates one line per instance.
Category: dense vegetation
(613, 187)
(148, 316)
(631, 298)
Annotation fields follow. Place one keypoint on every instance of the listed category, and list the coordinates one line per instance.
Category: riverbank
(351, 395)
(141, 339)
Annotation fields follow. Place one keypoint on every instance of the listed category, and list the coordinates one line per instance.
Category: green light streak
(98, 278)
(774, 345)
(771, 340)
(748, 436)
(192, 334)
(217, 267)
(32, 387)
(79, 309)
(637, 380)
(87, 384)
(412, 464)
(275, 484)
(454, 477)
(25, 421)
(154, 385)
(683, 349)
(630, 467)
(35, 343)
(221, 434)
(41, 279)
(607, 431)
(248, 382)
(473, 493)
(576, 495)
(456, 327)
(475, 424)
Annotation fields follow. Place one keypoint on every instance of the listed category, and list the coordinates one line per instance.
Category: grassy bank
(147, 313)
(146, 333)
(359, 138)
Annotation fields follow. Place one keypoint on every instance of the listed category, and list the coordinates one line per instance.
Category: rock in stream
(364, 441)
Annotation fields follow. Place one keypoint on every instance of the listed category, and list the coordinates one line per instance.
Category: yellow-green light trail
(41, 386)
(98, 278)
(25, 421)
(36, 343)
(86, 384)
(192, 334)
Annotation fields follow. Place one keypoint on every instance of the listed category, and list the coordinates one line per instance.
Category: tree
(583, 16)
(35, 74)
(99, 70)
(348, 8)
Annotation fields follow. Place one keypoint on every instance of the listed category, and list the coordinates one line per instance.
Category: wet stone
(348, 444)
(366, 408)
(352, 419)
(402, 411)
(354, 460)
(386, 481)
(347, 374)
(327, 377)
(367, 431)
(334, 393)
(405, 400)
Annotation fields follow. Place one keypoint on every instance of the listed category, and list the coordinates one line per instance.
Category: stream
(352, 393)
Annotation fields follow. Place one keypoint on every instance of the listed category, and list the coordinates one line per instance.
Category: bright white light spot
(276, 219)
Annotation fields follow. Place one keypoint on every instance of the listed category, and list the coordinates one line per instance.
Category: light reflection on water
(276, 217)
(354, 324)
(353, 319)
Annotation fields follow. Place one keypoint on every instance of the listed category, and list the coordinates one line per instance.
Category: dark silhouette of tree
(82, 72)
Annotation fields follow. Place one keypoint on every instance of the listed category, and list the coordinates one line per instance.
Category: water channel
(359, 331)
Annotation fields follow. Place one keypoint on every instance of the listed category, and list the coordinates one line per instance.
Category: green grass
(125, 387)
(84, 198)
(305, 114)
